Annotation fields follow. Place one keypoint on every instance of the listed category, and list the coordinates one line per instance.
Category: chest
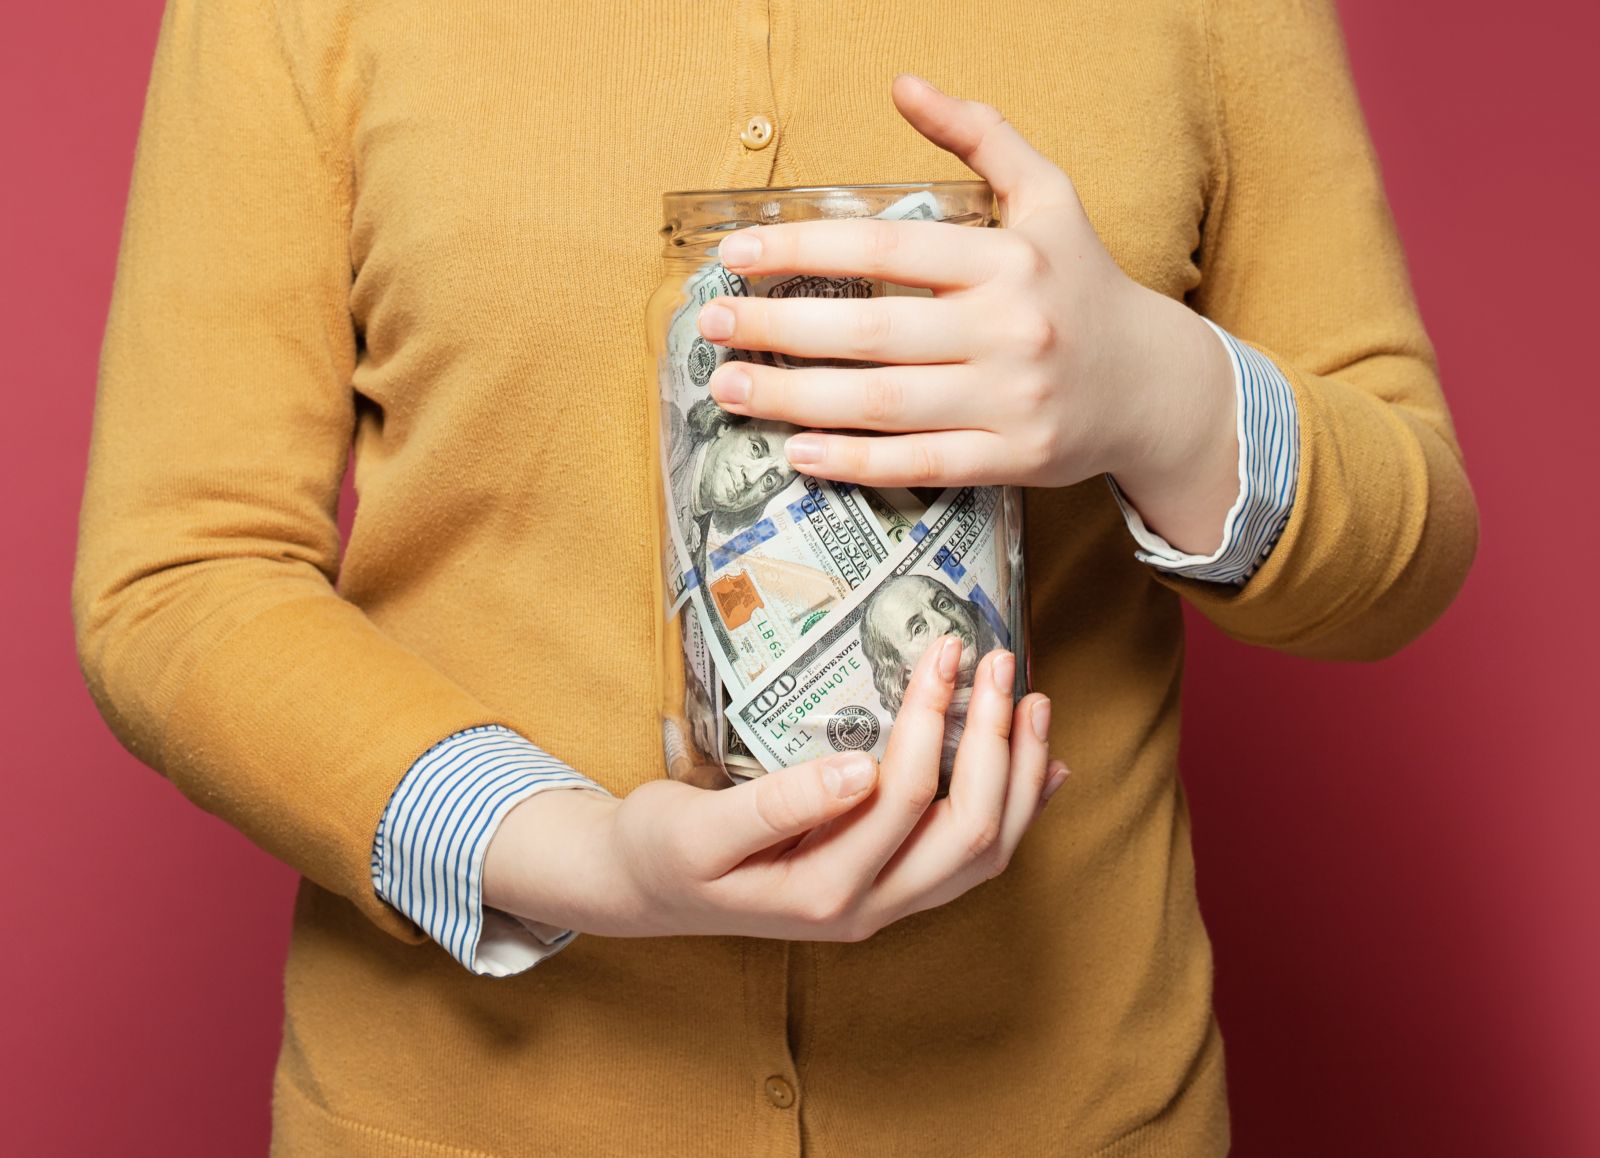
(505, 214)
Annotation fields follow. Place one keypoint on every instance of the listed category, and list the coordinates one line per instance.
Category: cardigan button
(757, 133)
(779, 1092)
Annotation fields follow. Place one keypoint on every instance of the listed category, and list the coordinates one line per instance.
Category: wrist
(547, 858)
(1181, 471)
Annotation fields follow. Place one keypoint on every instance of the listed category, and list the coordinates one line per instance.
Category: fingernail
(949, 657)
(1003, 668)
(716, 322)
(1040, 717)
(849, 773)
(915, 79)
(730, 384)
(741, 248)
(803, 448)
(1056, 778)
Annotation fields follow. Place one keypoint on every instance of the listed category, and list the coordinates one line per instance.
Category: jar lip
(973, 183)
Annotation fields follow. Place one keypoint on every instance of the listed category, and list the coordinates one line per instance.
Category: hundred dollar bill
(957, 572)
(768, 550)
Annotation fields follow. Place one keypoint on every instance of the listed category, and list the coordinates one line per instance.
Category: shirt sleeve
(428, 852)
(1268, 429)
(208, 628)
(1300, 260)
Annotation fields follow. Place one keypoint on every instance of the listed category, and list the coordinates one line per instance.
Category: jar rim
(971, 183)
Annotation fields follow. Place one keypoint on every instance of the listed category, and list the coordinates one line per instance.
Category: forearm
(1383, 531)
(208, 628)
(1300, 259)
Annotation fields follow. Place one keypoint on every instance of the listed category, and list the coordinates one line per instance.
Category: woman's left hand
(1037, 361)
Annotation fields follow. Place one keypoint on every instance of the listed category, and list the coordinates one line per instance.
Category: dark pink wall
(1401, 876)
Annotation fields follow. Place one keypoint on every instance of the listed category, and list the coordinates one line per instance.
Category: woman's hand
(832, 850)
(1036, 362)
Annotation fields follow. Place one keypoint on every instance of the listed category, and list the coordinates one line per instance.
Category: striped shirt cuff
(1269, 465)
(428, 853)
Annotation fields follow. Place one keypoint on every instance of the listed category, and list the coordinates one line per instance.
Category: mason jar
(795, 607)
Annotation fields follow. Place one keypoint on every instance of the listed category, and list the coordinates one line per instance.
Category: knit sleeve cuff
(1268, 426)
(428, 852)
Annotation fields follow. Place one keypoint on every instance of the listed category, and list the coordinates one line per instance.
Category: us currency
(897, 510)
(737, 758)
(764, 550)
(692, 738)
(956, 573)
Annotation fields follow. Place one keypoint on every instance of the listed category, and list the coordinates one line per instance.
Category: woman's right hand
(831, 850)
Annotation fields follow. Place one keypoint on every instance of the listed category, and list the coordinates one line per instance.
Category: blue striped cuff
(1269, 465)
(428, 852)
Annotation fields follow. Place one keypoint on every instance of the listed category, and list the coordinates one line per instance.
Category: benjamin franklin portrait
(901, 618)
(725, 467)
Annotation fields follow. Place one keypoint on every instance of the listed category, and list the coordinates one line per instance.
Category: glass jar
(795, 607)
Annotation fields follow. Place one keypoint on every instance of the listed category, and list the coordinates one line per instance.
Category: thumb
(1023, 179)
(749, 817)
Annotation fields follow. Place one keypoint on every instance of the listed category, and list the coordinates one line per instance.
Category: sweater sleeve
(1300, 258)
(208, 628)
(1269, 459)
(433, 837)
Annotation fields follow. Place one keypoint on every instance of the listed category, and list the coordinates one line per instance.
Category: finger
(888, 398)
(945, 458)
(1031, 768)
(1023, 179)
(1055, 776)
(734, 824)
(958, 847)
(935, 254)
(886, 329)
(908, 777)
(979, 778)
(978, 782)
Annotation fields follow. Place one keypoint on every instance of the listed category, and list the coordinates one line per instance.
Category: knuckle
(761, 325)
(881, 242)
(986, 113)
(873, 325)
(996, 865)
(853, 454)
(1038, 261)
(1043, 446)
(1034, 390)
(770, 395)
(829, 907)
(780, 802)
(1032, 333)
(920, 792)
(883, 398)
(1026, 258)
(981, 841)
(926, 702)
(924, 463)
(857, 929)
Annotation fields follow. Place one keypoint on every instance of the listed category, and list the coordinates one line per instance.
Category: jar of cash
(795, 607)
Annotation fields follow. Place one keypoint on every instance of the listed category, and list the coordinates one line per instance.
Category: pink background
(1400, 875)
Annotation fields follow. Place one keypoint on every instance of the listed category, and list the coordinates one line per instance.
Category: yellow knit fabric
(432, 228)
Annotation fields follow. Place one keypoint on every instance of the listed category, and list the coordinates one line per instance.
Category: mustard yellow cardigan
(432, 228)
